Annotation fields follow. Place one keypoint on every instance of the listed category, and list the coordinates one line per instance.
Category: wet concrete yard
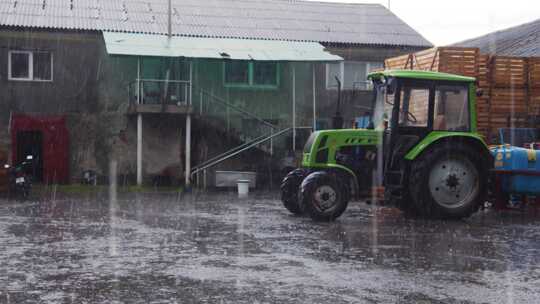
(218, 249)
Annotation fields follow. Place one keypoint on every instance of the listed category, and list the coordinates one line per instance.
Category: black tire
(289, 190)
(448, 181)
(324, 186)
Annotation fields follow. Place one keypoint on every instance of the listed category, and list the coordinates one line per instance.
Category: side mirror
(479, 93)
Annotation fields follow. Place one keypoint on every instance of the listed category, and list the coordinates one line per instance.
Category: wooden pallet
(509, 72)
(534, 72)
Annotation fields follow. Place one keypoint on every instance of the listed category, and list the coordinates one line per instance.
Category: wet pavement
(163, 248)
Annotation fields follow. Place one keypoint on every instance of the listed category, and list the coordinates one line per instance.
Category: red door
(55, 144)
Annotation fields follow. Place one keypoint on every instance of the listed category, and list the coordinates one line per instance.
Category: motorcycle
(20, 180)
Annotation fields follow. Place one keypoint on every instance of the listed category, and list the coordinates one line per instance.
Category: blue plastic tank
(519, 169)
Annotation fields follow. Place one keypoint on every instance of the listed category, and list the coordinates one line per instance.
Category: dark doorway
(31, 143)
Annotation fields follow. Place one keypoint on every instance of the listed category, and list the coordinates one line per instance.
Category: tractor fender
(343, 171)
(436, 138)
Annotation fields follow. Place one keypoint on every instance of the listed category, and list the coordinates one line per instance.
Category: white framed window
(334, 70)
(30, 66)
(352, 74)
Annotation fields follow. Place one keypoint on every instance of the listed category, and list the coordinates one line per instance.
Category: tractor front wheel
(449, 181)
(323, 196)
(289, 190)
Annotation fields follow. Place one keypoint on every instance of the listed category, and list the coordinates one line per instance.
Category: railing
(236, 121)
(160, 92)
(203, 167)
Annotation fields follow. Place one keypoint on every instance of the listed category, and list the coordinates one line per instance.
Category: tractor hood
(322, 144)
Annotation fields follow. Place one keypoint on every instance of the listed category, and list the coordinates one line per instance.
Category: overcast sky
(447, 21)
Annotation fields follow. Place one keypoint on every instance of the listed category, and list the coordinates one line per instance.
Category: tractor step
(394, 184)
(394, 192)
(394, 178)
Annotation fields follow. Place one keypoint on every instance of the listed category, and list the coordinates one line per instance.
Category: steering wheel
(411, 117)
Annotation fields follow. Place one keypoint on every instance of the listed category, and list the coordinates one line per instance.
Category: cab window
(452, 108)
(414, 107)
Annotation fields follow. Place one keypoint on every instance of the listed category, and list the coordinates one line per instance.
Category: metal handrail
(231, 151)
(229, 154)
(162, 80)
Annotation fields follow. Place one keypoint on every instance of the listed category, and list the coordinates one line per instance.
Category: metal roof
(290, 20)
(523, 40)
(214, 48)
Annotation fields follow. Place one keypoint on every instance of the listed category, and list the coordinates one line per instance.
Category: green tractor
(421, 146)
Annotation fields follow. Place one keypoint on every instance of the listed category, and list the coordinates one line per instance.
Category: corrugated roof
(523, 40)
(215, 48)
(249, 19)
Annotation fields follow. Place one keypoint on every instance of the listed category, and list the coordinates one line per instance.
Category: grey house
(88, 82)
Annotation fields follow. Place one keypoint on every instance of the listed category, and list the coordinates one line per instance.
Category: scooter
(20, 181)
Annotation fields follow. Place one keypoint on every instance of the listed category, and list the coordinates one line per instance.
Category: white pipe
(138, 80)
(139, 149)
(314, 100)
(188, 150)
(294, 107)
(200, 102)
(190, 83)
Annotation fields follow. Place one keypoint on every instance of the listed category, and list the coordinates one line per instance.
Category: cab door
(412, 120)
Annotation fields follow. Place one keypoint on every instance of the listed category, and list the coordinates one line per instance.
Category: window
(259, 74)
(265, 73)
(333, 70)
(352, 74)
(355, 75)
(237, 72)
(30, 66)
(452, 108)
(414, 107)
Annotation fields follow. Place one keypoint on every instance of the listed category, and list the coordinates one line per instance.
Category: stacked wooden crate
(508, 92)
(510, 85)
(534, 86)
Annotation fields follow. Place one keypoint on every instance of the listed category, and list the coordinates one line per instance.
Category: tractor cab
(414, 108)
(421, 145)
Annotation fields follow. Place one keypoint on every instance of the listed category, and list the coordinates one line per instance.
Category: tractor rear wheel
(323, 196)
(289, 190)
(449, 181)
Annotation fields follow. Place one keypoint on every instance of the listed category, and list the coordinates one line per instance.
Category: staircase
(218, 113)
(221, 115)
